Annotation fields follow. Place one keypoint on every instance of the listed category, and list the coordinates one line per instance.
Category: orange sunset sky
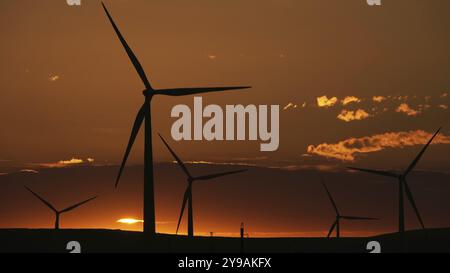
(357, 86)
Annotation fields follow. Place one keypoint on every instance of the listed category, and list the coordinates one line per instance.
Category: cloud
(424, 106)
(317, 167)
(348, 149)
(350, 99)
(212, 57)
(326, 102)
(218, 163)
(257, 158)
(404, 108)
(28, 171)
(66, 163)
(443, 106)
(405, 98)
(378, 98)
(53, 78)
(290, 105)
(444, 95)
(348, 116)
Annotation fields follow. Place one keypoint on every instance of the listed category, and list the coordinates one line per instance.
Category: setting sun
(129, 221)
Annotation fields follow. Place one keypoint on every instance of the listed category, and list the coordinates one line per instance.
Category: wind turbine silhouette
(144, 116)
(337, 223)
(188, 193)
(402, 183)
(58, 212)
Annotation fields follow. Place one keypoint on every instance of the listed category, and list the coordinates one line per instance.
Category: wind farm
(144, 116)
(188, 193)
(244, 171)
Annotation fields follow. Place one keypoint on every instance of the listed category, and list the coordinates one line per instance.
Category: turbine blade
(137, 65)
(416, 160)
(42, 200)
(331, 229)
(179, 161)
(331, 198)
(413, 203)
(186, 196)
(77, 205)
(358, 218)
(192, 91)
(383, 173)
(211, 176)
(137, 125)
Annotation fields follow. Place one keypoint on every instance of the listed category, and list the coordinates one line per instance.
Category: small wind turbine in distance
(58, 212)
(402, 183)
(188, 193)
(144, 116)
(337, 223)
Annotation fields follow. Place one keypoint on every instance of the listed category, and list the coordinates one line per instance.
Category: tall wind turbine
(337, 223)
(402, 183)
(144, 116)
(188, 193)
(58, 212)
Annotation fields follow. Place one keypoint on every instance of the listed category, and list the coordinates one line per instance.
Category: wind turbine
(337, 223)
(402, 183)
(144, 116)
(188, 193)
(58, 212)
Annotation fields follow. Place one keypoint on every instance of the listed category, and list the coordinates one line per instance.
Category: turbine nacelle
(148, 93)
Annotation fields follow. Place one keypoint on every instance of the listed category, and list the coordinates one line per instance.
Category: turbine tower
(58, 212)
(403, 186)
(188, 192)
(337, 223)
(144, 116)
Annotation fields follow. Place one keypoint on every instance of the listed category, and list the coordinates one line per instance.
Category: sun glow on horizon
(129, 221)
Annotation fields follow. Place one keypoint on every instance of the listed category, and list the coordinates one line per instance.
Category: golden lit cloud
(53, 78)
(290, 105)
(404, 108)
(405, 98)
(443, 106)
(324, 101)
(218, 163)
(65, 163)
(129, 221)
(348, 149)
(378, 98)
(348, 116)
(350, 99)
(28, 171)
(71, 161)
